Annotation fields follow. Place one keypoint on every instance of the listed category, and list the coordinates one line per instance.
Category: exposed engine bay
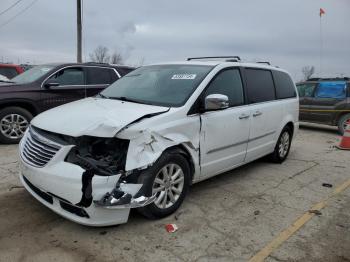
(99, 156)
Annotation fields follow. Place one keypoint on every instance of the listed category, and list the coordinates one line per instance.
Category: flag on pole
(322, 12)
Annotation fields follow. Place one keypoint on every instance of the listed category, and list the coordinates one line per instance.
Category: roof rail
(328, 78)
(96, 63)
(263, 62)
(227, 58)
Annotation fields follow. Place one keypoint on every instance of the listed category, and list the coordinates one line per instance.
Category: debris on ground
(327, 185)
(315, 211)
(103, 232)
(256, 212)
(178, 215)
(171, 228)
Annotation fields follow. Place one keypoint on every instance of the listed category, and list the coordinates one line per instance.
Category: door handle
(257, 113)
(244, 116)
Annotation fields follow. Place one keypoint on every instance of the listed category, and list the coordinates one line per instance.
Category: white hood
(93, 117)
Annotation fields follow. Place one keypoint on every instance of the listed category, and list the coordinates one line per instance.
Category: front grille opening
(38, 150)
(37, 191)
(74, 209)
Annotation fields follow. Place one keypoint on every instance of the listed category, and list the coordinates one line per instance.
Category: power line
(12, 18)
(3, 12)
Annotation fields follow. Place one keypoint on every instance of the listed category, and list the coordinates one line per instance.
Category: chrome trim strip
(258, 137)
(239, 143)
(226, 147)
(115, 70)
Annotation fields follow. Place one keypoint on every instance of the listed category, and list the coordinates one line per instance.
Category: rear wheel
(168, 180)
(283, 146)
(13, 123)
(342, 123)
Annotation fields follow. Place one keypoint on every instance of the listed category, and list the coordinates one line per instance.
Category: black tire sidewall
(13, 110)
(277, 156)
(341, 123)
(147, 179)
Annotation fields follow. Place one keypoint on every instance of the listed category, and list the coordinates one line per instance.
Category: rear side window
(260, 87)
(9, 72)
(100, 76)
(335, 90)
(284, 85)
(228, 83)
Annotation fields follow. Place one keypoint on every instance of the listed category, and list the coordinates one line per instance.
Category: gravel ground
(230, 217)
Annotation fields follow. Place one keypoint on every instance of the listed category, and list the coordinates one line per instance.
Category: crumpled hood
(93, 117)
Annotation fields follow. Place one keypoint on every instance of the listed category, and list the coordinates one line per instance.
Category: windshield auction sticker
(184, 77)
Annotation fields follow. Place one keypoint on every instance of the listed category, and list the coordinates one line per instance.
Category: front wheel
(168, 180)
(13, 123)
(283, 146)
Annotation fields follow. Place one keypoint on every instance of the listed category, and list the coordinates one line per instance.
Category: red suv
(10, 70)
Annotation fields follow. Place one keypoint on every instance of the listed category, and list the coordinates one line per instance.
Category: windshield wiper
(5, 81)
(126, 99)
(103, 96)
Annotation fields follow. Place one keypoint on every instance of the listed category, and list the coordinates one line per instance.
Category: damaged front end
(106, 157)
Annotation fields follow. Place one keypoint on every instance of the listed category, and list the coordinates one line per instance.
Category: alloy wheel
(13, 126)
(168, 185)
(283, 146)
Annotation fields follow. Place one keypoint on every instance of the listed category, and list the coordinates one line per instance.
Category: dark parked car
(325, 101)
(47, 86)
(10, 70)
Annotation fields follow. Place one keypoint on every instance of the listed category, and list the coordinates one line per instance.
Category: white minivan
(145, 139)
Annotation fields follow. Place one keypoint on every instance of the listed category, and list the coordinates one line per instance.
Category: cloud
(285, 32)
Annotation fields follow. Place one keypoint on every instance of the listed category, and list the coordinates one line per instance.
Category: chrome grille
(36, 149)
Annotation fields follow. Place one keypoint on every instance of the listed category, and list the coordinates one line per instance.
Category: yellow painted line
(287, 233)
(321, 110)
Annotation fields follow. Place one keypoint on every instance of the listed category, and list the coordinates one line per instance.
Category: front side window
(69, 76)
(228, 83)
(163, 85)
(306, 90)
(260, 85)
(336, 90)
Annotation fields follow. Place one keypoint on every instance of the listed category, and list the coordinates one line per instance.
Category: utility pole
(79, 33)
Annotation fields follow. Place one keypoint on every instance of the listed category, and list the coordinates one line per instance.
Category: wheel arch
(184, 151)
(25, 104)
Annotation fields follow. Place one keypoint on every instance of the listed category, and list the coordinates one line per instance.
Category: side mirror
(51, 83)
(216, 102)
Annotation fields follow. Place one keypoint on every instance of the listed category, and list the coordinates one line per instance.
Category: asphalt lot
(230, 217)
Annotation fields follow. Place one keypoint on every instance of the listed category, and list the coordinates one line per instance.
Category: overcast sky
(284, 32)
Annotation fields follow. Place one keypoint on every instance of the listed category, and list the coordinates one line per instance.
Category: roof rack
(263, 62)
(96, 63)
(227, 58)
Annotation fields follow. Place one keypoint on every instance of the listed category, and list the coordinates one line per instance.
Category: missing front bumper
(122, 197)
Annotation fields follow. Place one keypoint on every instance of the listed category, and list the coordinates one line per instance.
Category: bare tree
(100, 55)
(116, 58)
(308, 71)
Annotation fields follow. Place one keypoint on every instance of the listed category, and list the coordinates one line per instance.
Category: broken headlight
(101, 156)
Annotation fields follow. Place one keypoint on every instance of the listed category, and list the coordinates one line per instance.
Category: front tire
(168, 179)
(283, 146)
(13, 123)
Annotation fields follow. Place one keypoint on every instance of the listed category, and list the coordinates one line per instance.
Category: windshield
(162, 85)
(32, 74)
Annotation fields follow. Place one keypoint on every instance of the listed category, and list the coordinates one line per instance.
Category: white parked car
(145, 139)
